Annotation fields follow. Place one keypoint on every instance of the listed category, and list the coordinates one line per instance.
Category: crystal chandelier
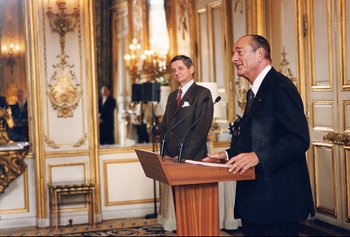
(147, 65)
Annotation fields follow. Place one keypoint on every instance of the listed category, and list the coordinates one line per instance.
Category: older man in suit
(273, 138)
(191, 99)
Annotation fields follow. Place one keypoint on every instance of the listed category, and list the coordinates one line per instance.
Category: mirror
(13, 80)
(126, 47)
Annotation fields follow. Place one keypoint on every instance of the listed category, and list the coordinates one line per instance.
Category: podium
(196, 191)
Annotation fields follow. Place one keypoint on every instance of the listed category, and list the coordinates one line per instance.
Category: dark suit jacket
(277, 131)
(107, 125)
(195, 146)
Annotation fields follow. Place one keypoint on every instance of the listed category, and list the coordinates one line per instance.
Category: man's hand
(215, 158)
(242, 162)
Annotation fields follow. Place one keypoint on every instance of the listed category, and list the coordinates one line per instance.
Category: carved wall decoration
(242, 86)
(11, 163)
(6, 121)
(64, 90)
(183, 11)
(52, 144)
(285, 70)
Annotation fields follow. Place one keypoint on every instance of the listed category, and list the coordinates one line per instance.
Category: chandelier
(147, 65)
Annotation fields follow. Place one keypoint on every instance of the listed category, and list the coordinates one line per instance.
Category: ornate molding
(183, 9)
(12, 163)
(54, 145)
(285, 70)
(64, 90)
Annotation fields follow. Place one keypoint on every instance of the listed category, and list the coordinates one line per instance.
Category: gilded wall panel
(346, 115)
(116, 172)
(347, 182)
(325, 178)
(64, 78)
(321, 51)
(322, 115)
(78, 172)
(203, 46)
(16, 196)
(345, 42)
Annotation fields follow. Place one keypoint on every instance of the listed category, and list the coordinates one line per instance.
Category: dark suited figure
(273, 138)
(178, 106)
(20, 118)
(106, 107)
(3, 103)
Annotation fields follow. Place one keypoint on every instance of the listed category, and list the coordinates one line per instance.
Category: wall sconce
(62, 22)
(11, 50)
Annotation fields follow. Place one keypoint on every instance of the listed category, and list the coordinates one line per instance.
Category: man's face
(20, 95)
(245, 58)
(181, 73)
(104, 91)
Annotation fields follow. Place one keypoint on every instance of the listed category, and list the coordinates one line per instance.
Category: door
(213, 48)
(328, 77)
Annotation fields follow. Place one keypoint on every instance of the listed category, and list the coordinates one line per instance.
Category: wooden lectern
(196, 191)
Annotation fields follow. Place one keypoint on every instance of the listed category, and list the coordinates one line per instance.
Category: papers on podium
(206, 163)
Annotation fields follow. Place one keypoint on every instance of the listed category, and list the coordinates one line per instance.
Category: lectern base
(197, 210)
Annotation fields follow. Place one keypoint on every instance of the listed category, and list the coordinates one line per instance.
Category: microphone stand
(205, 100)
(154, 149)
(182, 144)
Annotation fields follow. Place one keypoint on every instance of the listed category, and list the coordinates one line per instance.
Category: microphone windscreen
(217, 99)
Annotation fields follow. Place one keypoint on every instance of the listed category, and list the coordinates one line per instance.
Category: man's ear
(261, 52)
(192, 69)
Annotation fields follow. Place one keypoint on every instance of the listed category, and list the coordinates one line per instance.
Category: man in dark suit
(3, 103)
(273, 138)
(188, 99)
(106, 107)
(20, 118)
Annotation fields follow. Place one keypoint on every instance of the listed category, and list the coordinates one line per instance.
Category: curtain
(103, 33)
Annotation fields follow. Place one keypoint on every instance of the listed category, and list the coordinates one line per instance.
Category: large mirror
(132, 44)
(13, 80)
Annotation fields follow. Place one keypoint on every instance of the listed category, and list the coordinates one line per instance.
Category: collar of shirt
(256, 84)
(104, 98)
(186, 87)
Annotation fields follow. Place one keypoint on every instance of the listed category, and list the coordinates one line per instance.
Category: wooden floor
(308, 228)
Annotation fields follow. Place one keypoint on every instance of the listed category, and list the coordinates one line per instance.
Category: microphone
(192, 126)
(205, 100)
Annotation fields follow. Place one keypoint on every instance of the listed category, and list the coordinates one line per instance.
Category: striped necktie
(178, 99)
(250, 99)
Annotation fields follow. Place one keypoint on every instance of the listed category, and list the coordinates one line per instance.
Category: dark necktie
(250, 99)
(178, 99)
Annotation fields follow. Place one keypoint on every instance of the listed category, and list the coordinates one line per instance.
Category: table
(56, 191)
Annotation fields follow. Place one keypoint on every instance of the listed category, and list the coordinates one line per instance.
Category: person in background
(3, 103)
(20, 118)
(273, 138)
(106, 107)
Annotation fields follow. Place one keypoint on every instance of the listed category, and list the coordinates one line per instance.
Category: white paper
(206, 163)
